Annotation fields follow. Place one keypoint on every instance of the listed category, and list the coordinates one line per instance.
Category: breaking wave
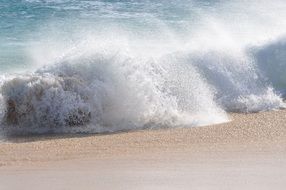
(115, 79)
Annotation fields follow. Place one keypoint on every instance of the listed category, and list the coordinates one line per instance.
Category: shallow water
(115, 65)
(255, 171)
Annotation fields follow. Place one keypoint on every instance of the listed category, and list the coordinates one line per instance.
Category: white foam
(110, 78)
(116, 91)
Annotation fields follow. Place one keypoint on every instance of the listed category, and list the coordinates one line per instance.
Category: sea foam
(160, 72)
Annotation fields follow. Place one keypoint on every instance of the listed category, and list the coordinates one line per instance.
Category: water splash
(170, 64)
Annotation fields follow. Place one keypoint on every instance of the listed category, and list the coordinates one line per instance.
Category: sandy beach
(142, 95)
(247, 153)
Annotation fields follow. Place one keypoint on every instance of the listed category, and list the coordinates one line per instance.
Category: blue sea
(111, 65)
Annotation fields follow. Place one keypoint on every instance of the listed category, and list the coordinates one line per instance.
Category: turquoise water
(116, 65)
(23, 23)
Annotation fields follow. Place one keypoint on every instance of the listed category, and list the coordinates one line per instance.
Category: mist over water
(97, 66)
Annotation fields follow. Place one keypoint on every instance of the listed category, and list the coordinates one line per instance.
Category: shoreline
(247, 153)
(249, 132)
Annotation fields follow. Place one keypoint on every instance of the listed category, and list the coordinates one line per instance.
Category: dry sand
(247, 153)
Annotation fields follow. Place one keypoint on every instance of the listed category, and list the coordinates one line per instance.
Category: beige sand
(247, 153)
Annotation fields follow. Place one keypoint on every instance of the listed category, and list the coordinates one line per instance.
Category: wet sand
(247, 153)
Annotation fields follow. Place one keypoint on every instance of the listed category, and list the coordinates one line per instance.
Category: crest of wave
(109, 87)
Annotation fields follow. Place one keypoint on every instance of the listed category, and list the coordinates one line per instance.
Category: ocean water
(110, 65)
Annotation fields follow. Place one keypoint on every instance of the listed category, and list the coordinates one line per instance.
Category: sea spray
(97, 66)
(113, 91)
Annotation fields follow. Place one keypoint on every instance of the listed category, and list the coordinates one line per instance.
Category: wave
(111, 92)
(271, 61)
(100, 91)
(145, 71)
